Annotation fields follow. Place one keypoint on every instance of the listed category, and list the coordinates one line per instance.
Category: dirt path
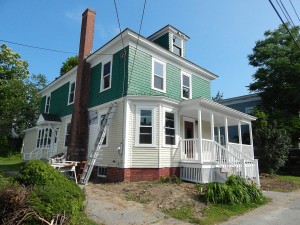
(106, 207)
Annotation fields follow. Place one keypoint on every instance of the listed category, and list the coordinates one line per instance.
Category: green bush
(235, 191)
(52, 192)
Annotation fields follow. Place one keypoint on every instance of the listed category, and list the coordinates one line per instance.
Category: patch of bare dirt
(155, 196)
(270, 182)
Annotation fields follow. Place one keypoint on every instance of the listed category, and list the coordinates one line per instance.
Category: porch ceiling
(191, 107)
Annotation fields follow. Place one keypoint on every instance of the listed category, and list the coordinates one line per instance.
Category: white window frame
(190, 83)
(138, 120)
(169, 110)
(46, 103)
(66, 129)
(102, 75)
(100, 114)
(70, 85)
(164, 75)
(181, 43)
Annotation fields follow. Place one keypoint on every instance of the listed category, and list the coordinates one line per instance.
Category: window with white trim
(145, 127)
(158, 75)
(72, 92)
(106, 76)
(44, 138)
(104, 143)
(177, 45)
(186, 86)
(67, 134)
(47, 105)
(170, 131)
(249, 110)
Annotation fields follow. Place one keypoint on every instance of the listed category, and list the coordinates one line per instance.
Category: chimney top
(89, 11)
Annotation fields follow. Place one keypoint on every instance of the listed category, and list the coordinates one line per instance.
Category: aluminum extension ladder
(88, 168)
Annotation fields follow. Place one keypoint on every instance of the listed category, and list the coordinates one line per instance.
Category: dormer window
(177, 45)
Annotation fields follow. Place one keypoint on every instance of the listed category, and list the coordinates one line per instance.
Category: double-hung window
(47, 106)
(106, 75)
(170, 128)
(177, 45)
(67, 136)
(72, 92)
(145, 126)
(158, 75)
(186, 90)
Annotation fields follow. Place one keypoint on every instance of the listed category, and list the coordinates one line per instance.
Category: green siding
(117, 76)
(200, 88)
(43, 103)
(173, 82)
(59, 101)
(163, 41)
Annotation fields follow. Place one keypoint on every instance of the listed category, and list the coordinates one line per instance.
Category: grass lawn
(12, 163)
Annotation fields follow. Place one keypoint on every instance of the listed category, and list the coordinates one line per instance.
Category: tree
(20, 102)
(69, 64)
(218, 97)
(277, 59)
(271, 145)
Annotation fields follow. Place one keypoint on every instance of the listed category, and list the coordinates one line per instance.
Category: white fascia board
(151, 48)
(214, 106)
(69, 76)
(156, 99)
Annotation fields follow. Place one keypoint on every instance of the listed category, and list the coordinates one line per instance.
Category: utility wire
(116, 8)
(284, 24)
(137, 42)
(294, 10)
(286, 13)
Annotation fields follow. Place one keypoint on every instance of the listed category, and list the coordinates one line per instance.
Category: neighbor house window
(71, 93)
(106, 76)
(47, 106)
(158, 75)
(169, 128)
(177, 45)
(145, 126)
(67, 136)
(249, 110)
(185, 86)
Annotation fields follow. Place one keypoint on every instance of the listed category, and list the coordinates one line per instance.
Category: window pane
(158, 83)
(158, 69)
(106, 82)
(145, 138)
(146, 117)
(72, 87)
(145, 130)
(185, 92)
(177, 50)
(186, 81)
(170, 132)
(177, 41)
(106, 68)
(71, 97)
(170, 140)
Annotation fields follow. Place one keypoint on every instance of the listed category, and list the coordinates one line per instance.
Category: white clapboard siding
(30, 140)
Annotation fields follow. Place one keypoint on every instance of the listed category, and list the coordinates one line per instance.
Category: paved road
(283, 210)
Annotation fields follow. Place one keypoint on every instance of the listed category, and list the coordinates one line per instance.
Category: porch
(217, 142)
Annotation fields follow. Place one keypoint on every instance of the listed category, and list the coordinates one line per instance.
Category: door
(189, 144)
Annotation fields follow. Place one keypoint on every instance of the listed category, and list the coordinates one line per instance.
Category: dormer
(170, 38)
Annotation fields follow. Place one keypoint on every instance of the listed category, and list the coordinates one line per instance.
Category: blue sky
(222, 32)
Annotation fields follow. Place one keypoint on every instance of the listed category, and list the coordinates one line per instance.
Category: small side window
(71, 93)
(67, 135)
(47, 106)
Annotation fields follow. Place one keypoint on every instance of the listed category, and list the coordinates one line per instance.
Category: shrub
(234, 191)
(52, 193)
(176, 179)
(164, 180)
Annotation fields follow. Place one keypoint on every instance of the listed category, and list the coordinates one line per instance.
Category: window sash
(72, 93)
(67, 135)
(145, 127)
(170, 130)
(186, 83)
(106, 76)
(47, 107)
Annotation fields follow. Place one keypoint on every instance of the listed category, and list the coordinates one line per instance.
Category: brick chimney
(78, 143)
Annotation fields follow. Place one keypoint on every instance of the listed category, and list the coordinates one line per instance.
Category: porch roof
(191, 107)
(46, 118)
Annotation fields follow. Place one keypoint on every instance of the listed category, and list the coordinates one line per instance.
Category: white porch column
(226, 132)
(240, 135)
(251, 139)
(212, 126)
(200, 136)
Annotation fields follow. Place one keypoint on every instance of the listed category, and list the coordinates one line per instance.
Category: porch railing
(38, 153)
(244, 149)
(231, 160)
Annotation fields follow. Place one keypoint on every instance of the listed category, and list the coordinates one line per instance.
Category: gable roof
(46, 118)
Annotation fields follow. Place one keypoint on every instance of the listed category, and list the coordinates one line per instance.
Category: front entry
(189, 144)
